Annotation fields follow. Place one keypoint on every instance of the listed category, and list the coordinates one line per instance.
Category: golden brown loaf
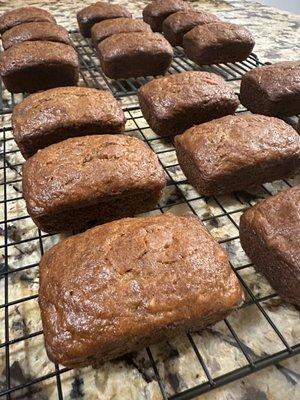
(124, 285)
(89, 179)
(57, 114)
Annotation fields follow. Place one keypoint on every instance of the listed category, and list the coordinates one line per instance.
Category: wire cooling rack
(219, 213)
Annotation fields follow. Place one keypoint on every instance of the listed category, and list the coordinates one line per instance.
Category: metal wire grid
(176, 184)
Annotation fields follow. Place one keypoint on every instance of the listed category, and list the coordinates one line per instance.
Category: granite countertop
(277, 37)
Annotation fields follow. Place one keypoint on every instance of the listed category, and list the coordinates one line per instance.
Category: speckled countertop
(277, 37)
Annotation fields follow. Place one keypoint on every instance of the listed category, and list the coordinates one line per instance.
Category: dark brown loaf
(109, 27)
(35, 31)
(237, 152)
(174, 103)
(218, 42)
(269, 234)
(156, 11)
(23, 15)
(124, 285)
(178, 24)
(272, 89)
(90, 15)
(54, 115)
(91, 179)
(130, 55)
(33, 66)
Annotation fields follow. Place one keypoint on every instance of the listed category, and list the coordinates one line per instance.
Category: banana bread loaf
(179, 23)
(35, 31)
(218, 42)
(109, 27)
(89, 179)
(57, 114)
(237, 152)
(272, 89)
(88, 16)
(130, 55)
(156, 11)
(33, 66)
(174, 103)
(269, 234)
(23, 15)
(122, 286)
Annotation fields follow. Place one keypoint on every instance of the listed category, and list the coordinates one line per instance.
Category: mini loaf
(174, 103)
(56, 114)
(237, 152)
(272, 89)
(90, 179)
(130, 55)
(156, 11)
(33, 66)
(23, 15)
(90, 15)
(178, 24)
(35, 31)
(269, 234)
(218, 42)
(121, 286)
(109, 27)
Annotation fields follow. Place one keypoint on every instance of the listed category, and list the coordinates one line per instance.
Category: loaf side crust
(269, 234)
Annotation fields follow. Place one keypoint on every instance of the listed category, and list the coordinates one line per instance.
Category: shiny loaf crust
(121, 286)
(84, 180)
(57, 114)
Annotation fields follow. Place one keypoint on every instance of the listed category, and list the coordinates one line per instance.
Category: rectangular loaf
(99, 11)
(270, 235)
(156, 11)
(130, 55)
(174, 103)
(32, 31)
(57, 114)
(90, 179)
(218, 42)
(38, 65)
(109, 27)
(237, 152)
(272, 89)
(124, 285)
(23, 15)
(181, 22)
